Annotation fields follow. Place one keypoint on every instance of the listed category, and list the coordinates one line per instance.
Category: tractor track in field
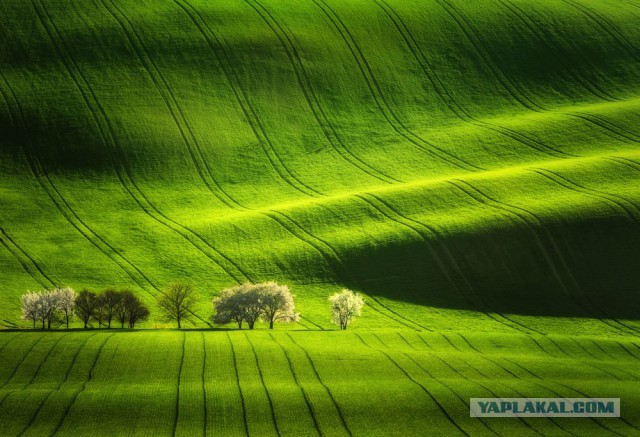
(624, 348)
(535, 224)
(15, 250)
(237, 374)
(241, 97)
(421, 386)
(542, 35)
(177, 413)
(322, 383)
(297, 380)
(108, 136)
(430, 375)
(164, 90)
(542, 386)
(485, 387)
(204, 384)
(24, 356)
(514, 90)
(286, 39)
(580, 392)
(450, 264)
(35, 373)
(266, 390)
(38, 168)
(602, 22)
(380, 100)
(605, 198)
(84, 386)
(475, 369)
(34, 416)
(63, 207)
(446, 96)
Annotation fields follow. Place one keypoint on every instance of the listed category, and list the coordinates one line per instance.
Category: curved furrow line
(84, 385)
(451, 263)
(407, 341)
(34, 416)
(42, 177)
(427, 345)
(421, 386)
(610, 199)
(220, 54)
(623, 347)
(599, 359)
(235, 368)
(273, 412)
(455, 393)
(61, 203)
(11, 339)
(312, 323)
(24, 356)
(605, 25)
(534, 224)
(487, 388)
(37, 371)
(631, 3)
(29, 265)
(544, 385)
(381, 101)
(109, 138)
(326, 388)
(177, 413)
(176, 111)
(311, 97)
(580, 392)
(302, 390)
(204, 384)
(447, 98)
(516, 92)
(541, 34)
(395, 316)
(182, 123)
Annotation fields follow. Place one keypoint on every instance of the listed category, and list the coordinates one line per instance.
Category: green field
(471, 167)
(291, 383)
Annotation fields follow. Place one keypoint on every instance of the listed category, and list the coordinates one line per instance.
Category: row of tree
(269, 301)
(58, 306)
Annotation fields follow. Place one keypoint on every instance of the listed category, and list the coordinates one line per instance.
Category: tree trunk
(240, 324)
(271, 324)
(34, 323)
(179, 325)
(67, 316)
(42, 323)
(85, 323)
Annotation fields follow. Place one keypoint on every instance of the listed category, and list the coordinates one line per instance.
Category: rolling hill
(472, 168)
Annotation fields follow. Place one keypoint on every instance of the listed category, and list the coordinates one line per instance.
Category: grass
(472, 168)
(386, 382)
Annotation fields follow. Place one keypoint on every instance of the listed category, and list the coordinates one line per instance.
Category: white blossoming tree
(31, 307)
(276, 302)
(345, 306)
(66, 303)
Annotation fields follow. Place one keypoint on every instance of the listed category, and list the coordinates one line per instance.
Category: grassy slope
(465, 157)
(187, 383)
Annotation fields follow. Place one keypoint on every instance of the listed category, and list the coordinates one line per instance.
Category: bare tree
(136, 312)
(31, 307)
(177, 302)
(111, 300)
(345, 306)
(122, 308)
(99, 311)
(66, 302)
(276, 302)
(86, 303)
